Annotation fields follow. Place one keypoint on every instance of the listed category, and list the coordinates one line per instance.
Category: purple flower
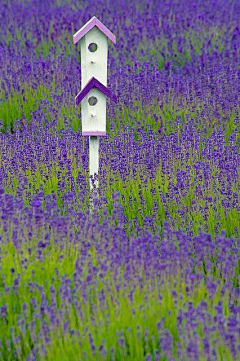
(4, 311)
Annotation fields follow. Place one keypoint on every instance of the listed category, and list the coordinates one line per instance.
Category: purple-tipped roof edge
(89, 25)
(93, 82)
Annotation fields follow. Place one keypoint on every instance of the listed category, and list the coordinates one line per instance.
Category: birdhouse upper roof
(89, 25)
(93, 82)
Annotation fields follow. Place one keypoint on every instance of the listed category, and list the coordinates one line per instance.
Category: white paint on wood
(94, 116)
(93, 158)
(94, 63)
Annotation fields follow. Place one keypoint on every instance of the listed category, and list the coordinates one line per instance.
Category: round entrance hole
(92, 47)
(92, 101)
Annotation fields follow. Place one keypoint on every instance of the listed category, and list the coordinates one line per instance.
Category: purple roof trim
(93, 82)
(89, 25)
(92, 132)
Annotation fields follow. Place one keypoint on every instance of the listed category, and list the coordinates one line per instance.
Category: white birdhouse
(94, 51)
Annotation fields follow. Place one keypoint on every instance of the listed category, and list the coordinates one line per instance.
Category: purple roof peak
(93, 82)
(89, 25)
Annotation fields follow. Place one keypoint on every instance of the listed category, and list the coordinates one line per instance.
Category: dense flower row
(210, 99)
(153, 273)
(186, 178)
(86, 272)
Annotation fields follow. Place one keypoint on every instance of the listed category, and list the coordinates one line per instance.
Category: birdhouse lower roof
(93, 82)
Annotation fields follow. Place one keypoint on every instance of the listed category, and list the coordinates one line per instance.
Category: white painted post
(93, 169)
(93, 158)
(94, 51)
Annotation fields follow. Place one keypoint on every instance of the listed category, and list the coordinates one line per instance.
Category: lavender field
(153, 273)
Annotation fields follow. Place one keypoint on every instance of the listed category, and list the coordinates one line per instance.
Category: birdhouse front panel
(94, 53)
(93, 108)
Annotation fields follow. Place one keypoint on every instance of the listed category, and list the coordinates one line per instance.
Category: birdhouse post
(93, 37)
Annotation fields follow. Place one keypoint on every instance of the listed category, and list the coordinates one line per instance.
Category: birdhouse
(93, 95)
